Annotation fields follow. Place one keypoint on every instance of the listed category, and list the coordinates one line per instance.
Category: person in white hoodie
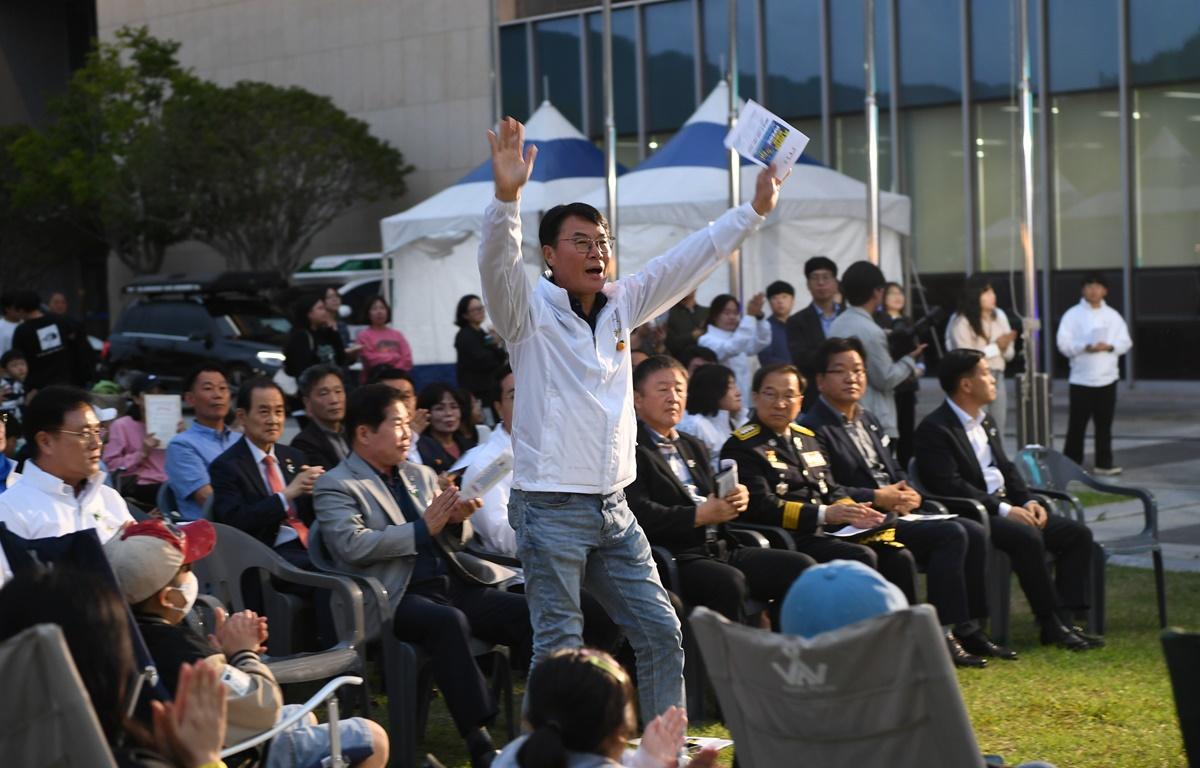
(573, 423)
(737, 338)
(1093, 336)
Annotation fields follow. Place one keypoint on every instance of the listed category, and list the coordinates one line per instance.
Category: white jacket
(713, 431)
(573, 424)
(736, 349)
(40, 506)
(1082, 325)
(960, 335)
(490, 521)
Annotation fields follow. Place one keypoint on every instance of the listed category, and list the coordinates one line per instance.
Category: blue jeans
(569, 540)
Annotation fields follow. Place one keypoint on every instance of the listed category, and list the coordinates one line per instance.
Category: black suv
(180, 320)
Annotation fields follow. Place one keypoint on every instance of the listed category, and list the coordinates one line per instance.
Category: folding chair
(1182, 652)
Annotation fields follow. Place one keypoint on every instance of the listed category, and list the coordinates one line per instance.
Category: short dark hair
(836, 345)
(49, 408)
(780, 286)
(386, 306)
(707, 386)
(10, 355)
(956, 365)
(432, 394)
(367, 406)
(460, 312)
(762, 373)
(312, 375)
(552, 220)
(387, 373)
(246, 391)
(208, 366)
(497, 388)
(704, 353)
(652, 365)
(26, 301)
(860, 282)
(719, 302)
(6, 300)
(820, 262)
(1095, 277)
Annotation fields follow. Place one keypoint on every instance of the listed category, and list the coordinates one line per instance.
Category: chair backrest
(237, 561)
(166, 500)
(1182, 651)
(51, 721)
(914, 477)
(881, 692)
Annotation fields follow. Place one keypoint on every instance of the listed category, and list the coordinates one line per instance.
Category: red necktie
(275, 480)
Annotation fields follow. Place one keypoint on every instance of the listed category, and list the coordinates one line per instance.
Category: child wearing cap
(152, 561)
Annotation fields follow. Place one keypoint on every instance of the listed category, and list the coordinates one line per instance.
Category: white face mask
(190, 589)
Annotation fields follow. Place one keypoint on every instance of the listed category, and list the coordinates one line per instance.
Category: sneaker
(1106, 471)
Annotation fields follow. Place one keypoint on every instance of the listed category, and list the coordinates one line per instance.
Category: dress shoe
(1095, 641)
(980, 644)
(960, 657)
(1056, 634)
(1107, 471)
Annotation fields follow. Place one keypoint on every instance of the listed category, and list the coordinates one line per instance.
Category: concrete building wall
(416, 71)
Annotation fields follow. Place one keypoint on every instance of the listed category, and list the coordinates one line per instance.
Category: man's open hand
(512, 164)
(766, 190)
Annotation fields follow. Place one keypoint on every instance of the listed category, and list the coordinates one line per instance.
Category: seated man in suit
(791, 485)
(954, 552)
(261, 487)
(324, 394)
(384, 516)
(674, 502)
(959, 453)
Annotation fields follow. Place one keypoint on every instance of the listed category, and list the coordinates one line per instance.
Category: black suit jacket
(948, 467)
(805, 334)
(658, 499)
(850, 469)
(314, 444)
(242, 499)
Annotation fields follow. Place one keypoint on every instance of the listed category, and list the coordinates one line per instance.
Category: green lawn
(1106, 708)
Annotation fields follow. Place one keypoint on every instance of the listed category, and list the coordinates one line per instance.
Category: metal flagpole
(1033, 424)
(610, 141)
(735, 165)
(872, 137)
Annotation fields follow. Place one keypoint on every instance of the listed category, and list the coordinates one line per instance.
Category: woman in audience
(311, 340)
(442, 443)
(892, 318)
(95, 625)
(333, 305)
(131, 453)
(381, 344)
(737, 339)
(480, 352)
(980, 324)
(472, 426)
(713, 402)
(579, 708)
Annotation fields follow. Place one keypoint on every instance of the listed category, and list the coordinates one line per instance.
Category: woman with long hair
(381, 344)
(480, 352)
(443, 442)
(980, 324)
(311, 340)
(713, 404)
(894, 320)
(737, 339)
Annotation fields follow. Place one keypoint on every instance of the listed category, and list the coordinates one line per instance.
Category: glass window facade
(933, 166)
(850, 142)
(1091, 39)
(930, 52)
(998, 185)
(849, 39)
(670, 64)
(715, 28)
(514, 72)
(995, 70)
(1164, 40)
(560, 66)
(1167, 181)
(624, 47)
(1087, 181)
(792, 31)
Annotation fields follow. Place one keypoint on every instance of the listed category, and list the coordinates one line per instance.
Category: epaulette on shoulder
(802, 430)
(747, 431)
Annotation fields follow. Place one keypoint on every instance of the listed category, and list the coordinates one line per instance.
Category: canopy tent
(432, 246)
(685, 184)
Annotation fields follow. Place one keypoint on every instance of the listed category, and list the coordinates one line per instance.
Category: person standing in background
(892, 318)
(782, 297)
(1093, 336)
(980, 324)
(480, 353)
(12, 317)
(685, 323)
(736, 337)
(810, 326)
(381, 344)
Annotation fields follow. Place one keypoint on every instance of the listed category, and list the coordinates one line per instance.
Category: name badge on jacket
(813, 459)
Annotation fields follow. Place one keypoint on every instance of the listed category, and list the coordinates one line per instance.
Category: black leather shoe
(960, 657)
(1096, 641)
(1057, 634)
(980, 644)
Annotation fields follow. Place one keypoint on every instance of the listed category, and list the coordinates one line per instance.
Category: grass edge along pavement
(1106, 708)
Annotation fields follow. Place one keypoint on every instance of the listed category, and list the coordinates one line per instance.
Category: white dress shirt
(7, 329)
(992, 475)
(713, 431)
(286, 532)
(40, 505)
(490, 521)
(1084, 325)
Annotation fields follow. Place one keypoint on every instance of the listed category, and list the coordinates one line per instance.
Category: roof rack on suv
(205, 283)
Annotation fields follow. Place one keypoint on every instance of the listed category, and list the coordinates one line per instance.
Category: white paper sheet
(762, 137)
(163, 414)
(918, 518)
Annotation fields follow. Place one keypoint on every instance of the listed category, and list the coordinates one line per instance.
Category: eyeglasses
(856, 373)
(87, 436)
(583, 245)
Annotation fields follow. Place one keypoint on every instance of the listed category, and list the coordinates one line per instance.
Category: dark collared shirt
(860, 435)
(430, 563)
(577, 306)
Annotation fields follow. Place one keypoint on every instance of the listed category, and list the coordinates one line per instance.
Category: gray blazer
(883, 373)
(364, 529)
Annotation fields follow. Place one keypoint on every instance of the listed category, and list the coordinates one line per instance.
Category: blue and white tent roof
(568, 167)
(686, 181)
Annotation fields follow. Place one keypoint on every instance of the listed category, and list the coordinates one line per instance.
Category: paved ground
(1157, 442)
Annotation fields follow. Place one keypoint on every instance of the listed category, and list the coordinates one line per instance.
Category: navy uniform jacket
(789, 478)
(849, 466)
(663, 507)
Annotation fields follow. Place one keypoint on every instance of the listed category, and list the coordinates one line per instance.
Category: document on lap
(913, 518)
(762, 137)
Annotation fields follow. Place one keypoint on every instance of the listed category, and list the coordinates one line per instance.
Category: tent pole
(610, 142)
(872, 109)
(735, 192)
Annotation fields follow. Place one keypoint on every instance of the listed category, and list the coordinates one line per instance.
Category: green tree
(29, 246)
(104, 162)
(270, 167)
